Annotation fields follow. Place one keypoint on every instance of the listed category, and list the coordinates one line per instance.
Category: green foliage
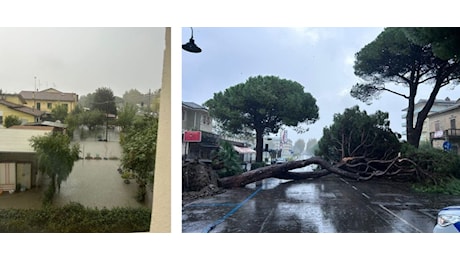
(104, 101)
(393, 58)
(449, 186)
(263, 104)
(299, 146)
(56, 158)
(126, 116)
(256, 165)
(12, 120)
(445, 41)
(92, 118)
(133, 97)
(59, 112)
(440, 164)
(227, 161)
(139, 149)
(355, 133)
(73, 218)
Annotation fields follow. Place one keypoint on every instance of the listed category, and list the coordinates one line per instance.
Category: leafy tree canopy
(264, 104)
(59, 112)
(12, 120)
(139, 149)
(445, 41)
(357, 134)
(56, 157)
(299, 146)
(104, 101)
(394, 58)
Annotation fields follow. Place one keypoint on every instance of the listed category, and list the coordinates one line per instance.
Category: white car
(448, 220)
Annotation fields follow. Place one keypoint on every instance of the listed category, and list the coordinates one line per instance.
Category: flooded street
(93, 183)
(326, 205)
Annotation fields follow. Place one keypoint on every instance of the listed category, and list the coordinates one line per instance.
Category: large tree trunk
(259, 145)
(351, 168)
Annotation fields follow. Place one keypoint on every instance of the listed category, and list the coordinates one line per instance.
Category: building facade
(438, 105)
(18, 160)
(15, 105)
(48, 99)
(445, 129)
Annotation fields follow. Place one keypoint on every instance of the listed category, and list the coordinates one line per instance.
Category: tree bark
(357, 168)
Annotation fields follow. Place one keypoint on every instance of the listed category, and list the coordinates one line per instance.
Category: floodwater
(93, 183)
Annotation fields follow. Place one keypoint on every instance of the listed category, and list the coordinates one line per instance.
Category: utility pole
(107, 121)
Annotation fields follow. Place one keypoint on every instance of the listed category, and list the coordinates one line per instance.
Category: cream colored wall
(13, 99)
(44, 105)
(22, 116)
(161, 204)
(444, 120)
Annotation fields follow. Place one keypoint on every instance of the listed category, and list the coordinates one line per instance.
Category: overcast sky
(321, 59)
(80, 60)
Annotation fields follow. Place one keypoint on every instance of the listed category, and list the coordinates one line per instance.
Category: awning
(243, 149)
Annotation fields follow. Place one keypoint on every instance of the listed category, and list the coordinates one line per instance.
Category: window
(50, 105)
(66, 106)
(453, 124)
(437, 126)
(38, 106)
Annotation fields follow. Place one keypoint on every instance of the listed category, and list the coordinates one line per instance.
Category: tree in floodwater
(104, 101)
(394, 58)
(56, 157)
(263, 104)
(139, 149)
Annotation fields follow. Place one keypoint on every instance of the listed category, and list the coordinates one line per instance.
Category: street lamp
(190, 45)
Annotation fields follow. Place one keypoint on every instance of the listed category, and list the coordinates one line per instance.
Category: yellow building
(15, 105)
(48, 99)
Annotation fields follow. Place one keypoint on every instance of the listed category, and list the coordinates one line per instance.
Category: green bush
(443, 167)
(449, 186)
(228, 161)
(439, 163)
(256, 165)
(75, 218)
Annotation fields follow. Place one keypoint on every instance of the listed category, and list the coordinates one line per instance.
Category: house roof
(18, 140)
(442, 102)
(448, 109)
(32, 127)
(50, 94)
(21, 98)
(21, 108)
(192, 105)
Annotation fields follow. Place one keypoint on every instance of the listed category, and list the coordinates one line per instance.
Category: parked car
(448, 220)
(280, 160)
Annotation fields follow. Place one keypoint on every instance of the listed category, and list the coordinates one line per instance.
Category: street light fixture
(190, 46)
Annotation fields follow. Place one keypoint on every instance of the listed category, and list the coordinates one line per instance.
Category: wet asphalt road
(327, 205)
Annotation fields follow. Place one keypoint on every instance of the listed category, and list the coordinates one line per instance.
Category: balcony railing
(443, 134)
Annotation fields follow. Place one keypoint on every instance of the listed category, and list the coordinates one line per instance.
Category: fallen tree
(357, 168)
(351, 168)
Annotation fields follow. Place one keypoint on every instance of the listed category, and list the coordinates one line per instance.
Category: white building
(438, 105)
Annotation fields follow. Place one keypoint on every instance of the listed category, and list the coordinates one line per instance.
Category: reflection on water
(96, 183)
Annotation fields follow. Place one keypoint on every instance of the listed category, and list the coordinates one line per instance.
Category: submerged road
(327, 205)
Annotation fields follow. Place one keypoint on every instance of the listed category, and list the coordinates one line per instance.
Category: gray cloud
(81, 60)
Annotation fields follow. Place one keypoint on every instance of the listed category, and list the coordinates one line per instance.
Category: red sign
(192, 136)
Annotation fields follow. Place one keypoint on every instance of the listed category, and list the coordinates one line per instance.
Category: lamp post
(190, 46)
